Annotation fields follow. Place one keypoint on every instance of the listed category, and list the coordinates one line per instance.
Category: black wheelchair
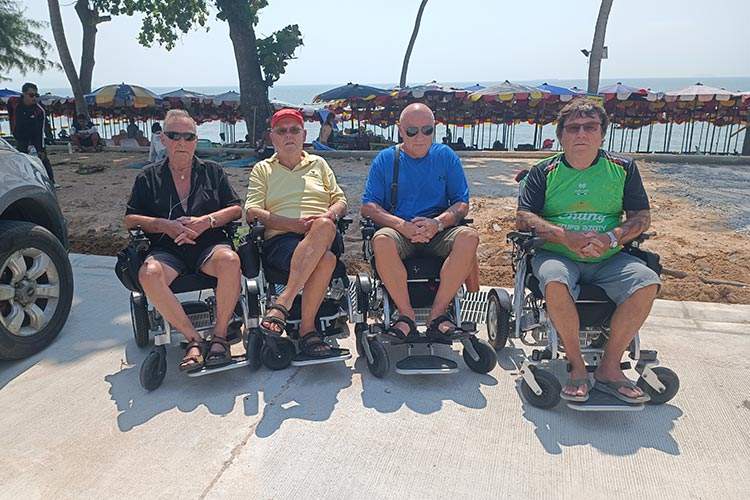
(148, 323)
(373, 302)
(523, 316)
(264, 283)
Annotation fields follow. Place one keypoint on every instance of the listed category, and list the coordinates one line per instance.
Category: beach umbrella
(698, 92)
(432, 88)
(507, 91)
(474, 88)
(351, 91)
(624, 92)
(6, 93)
(231, 98)
(122, 95)
(185, 96)
(562, 93)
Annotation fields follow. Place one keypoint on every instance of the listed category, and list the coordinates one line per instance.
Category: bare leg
(456, 269)
(562, 311)
(626, 321)
(224, 265)
(305, 259)
(315, 290)
(393, 274)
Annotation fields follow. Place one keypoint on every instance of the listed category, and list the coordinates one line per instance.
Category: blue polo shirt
(426, 186)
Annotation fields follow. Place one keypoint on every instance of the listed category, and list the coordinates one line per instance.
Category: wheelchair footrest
(426, 365)
(305, 360)
(599, 401)
(237, 362)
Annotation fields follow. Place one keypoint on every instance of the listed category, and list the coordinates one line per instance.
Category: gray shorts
(620, 276)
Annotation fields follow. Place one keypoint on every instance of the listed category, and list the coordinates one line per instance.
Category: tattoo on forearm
(526, 221)
(636, 222)
(457, 211)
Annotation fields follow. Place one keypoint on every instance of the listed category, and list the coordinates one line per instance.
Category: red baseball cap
(287, 113)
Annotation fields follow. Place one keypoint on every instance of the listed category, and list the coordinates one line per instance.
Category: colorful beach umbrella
(474, 88)
(230, 98)
(700, 93)
(507, 91)
(432, 88)
(6, 93)
(123, 96)
(624, 92)
(350, 91)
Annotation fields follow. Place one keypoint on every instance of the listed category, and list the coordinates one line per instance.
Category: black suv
(36, 280)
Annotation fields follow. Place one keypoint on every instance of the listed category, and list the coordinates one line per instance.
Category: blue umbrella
(474, 88)
(5, 93)
(555, 90)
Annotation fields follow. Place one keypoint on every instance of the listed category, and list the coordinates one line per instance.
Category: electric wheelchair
(523, 316)
(264, 283)
(373, 302)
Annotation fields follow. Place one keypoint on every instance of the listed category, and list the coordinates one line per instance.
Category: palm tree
(597, 47)
(405, 67)
(58, 32)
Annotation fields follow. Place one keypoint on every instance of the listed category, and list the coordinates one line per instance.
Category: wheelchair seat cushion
(423, 267)
(587, 291)
(192, 282)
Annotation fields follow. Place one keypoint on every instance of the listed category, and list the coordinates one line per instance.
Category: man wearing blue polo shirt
(431, 199)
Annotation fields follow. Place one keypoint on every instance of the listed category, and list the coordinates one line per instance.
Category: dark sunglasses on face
(290, 130)
(186, 136)
(426, 130)
(32, 94)
(589, 128)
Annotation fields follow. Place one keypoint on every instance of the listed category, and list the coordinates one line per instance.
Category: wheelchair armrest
(466, 222)
(257, 232)
(343, 224)
(527, 240)
(368, 228)
(139, 240)
(231, 228)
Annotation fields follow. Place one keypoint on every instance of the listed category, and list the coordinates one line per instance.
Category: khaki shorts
(440, 245)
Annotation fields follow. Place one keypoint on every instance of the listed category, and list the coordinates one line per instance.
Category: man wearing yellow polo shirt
(296, 196)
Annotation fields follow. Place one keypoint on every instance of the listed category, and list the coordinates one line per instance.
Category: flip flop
(577, 382)
(613, 388)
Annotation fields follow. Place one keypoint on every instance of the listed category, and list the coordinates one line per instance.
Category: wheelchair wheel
(283, 360)
(139, 317)
(671, 385)
(359, 337)
(253, 347)
(381, 364)
(487, 356)
(550, 386)
(154, 368)
(498, 322)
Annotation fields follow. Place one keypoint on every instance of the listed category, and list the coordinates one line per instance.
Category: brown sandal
(193, 362)
(214, 358)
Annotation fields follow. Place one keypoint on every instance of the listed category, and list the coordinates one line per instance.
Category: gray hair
(174, 114)
(582, 107)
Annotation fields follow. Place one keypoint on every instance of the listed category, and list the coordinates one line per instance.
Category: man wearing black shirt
(29, 124)
(181, 203)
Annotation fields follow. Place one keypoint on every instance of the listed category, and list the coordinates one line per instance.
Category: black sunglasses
(32, 94)
(187, 136)
(426, 130)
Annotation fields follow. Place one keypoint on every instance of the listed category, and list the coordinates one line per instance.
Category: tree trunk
(597, 47)
(58, 31)
(254, 104)
(89, 20)
(405, 66)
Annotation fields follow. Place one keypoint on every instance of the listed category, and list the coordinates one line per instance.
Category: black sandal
(214, 358)
(397, 334)
(434, 332)
(310, 343)
(272, 336)
(194, 362)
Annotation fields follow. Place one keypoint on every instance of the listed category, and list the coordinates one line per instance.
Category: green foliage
(165, 20)
(19, 41)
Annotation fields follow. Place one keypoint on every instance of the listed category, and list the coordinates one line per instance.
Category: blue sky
(470, 40)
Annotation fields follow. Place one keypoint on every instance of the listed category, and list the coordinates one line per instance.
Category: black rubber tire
(286, 355)
(498, 322)
(253, 348)
(381, 364)
(15, 235)
(487, 356)
(671, 385)
(359, 337)
(139, 318)
(154, 368)
(550, 386)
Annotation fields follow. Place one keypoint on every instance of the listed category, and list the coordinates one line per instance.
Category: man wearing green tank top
(576, 201)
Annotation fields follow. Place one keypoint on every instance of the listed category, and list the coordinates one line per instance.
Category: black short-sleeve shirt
(155, 195)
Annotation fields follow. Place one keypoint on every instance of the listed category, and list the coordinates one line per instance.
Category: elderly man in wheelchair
(297, 200)
(184, 206)
(573, 204)
(415, 200)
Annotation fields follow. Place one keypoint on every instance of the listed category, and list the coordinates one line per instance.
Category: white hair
(174, 114)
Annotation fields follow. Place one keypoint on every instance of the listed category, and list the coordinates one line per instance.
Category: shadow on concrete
(422, 393)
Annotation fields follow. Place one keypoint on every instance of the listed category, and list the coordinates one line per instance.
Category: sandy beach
(699, 213)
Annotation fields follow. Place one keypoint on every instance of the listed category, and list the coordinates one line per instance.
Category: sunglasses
(32, 94)
(589, 128)
(426, 130)
(284, 131)
(186, 136)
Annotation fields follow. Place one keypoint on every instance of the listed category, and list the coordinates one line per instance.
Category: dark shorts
(278, 251)
(186, 263)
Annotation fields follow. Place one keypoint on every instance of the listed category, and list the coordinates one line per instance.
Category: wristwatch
(613, 243)
(441, 227)
(212, 221)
